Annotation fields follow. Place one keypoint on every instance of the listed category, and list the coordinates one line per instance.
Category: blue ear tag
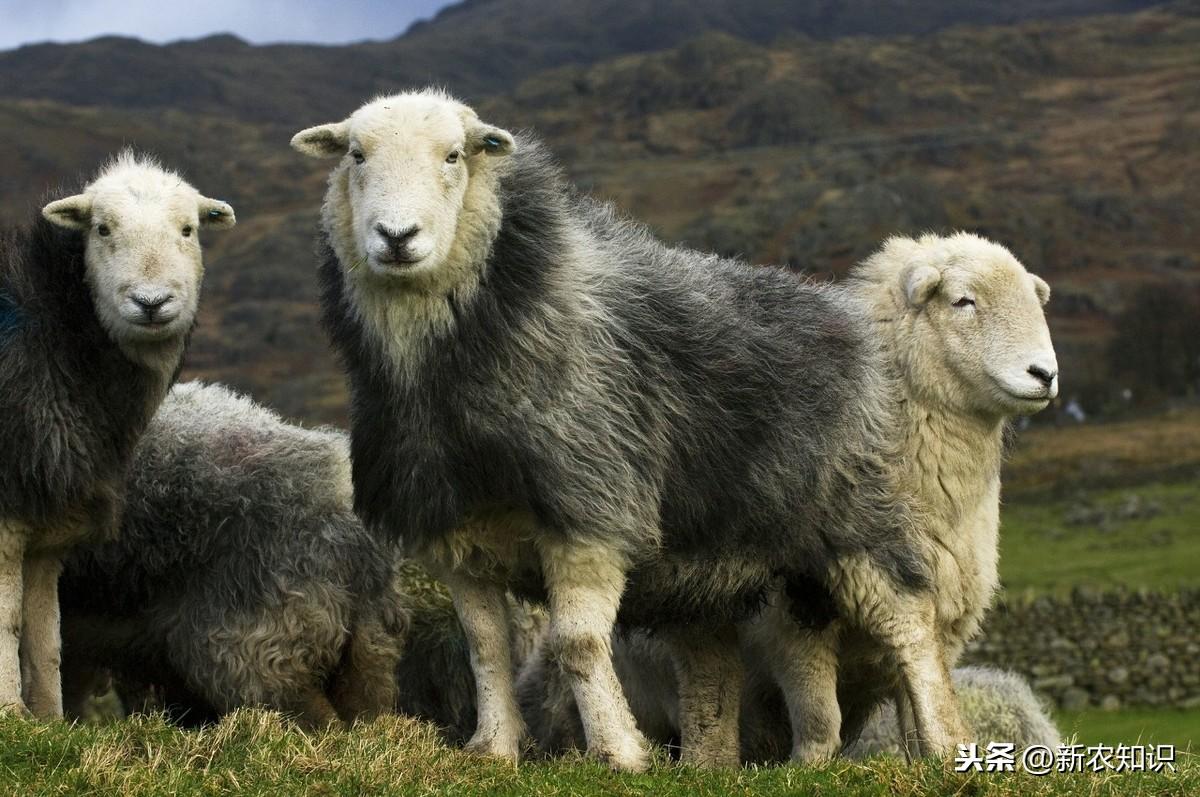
(214, 214)
(491, 142)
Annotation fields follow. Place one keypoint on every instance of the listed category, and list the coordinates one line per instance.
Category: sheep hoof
(18, 709)
(812, 752)
(494, 745)
(631, 755)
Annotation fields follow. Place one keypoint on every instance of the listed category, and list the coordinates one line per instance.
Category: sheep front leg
(708, 665)
(906, 726)
(483, 611)
(41, 636)
(804, 664)
(585, 586)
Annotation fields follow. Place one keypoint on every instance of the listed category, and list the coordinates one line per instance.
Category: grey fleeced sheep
(547, 398)
(97, 300)
(962, 323)
(241, 576)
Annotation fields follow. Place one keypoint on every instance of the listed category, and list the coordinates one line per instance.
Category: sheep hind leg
(364, 686)
(804, 663)
(482, 608)
(585, 586)
(708, 665)
(311, 710)
(41, 639)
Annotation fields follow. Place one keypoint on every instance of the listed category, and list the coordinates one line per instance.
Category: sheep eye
(452, 157)
(103, 229)
(965, 302)
(357, 155)
(187, 230)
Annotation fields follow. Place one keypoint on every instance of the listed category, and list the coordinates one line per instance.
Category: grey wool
(241, 576)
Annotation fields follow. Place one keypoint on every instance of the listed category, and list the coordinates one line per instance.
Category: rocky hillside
(788, 132)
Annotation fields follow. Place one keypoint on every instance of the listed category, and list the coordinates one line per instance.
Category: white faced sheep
(547, 398)
(241, 576)
(96, 303)
(962, 322)
(963, 325)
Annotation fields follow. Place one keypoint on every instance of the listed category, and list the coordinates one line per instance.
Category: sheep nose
(1043, 375)
(397, 242)
(150, 303)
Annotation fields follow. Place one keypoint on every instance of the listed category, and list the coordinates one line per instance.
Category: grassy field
(254, 753)
(1144, 536)
(1179, 727)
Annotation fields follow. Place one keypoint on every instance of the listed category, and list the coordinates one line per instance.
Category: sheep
(241, 576)
(433, 679)
(964, 328)
(97, 300)
(962, 323)
(545, 397)
(998, 706)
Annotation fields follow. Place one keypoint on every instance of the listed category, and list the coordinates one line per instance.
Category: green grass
(1180, 727)
(254, 753)
(1041, 552)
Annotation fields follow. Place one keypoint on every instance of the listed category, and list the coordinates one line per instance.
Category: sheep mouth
(393, 263)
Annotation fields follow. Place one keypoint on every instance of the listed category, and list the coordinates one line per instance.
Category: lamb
(97, 300)
(241, 576)
(998, 706)
(545, 397)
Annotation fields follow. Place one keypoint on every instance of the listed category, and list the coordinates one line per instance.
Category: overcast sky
(327, 21)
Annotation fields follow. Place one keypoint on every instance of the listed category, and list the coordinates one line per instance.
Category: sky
(325, 21)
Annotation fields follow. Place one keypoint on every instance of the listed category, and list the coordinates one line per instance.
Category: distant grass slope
(254, 753)
(1133, 726)
(1147, 536)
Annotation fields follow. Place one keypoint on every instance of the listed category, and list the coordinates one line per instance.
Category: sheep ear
(323, 141)
(492, 140)
(1041, 288)
(215, 214)
(74, 212)
(920, 283)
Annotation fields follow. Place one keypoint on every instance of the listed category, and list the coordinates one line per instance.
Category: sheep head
(412, 201)
(969, 321)
(142, 255)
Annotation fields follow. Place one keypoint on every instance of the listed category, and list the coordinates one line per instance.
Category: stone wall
(1100, 649)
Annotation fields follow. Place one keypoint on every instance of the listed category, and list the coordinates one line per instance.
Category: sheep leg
(585, 586)
(906, 726)
(365, 685)
(904, 623)
(483, 610)
(41, 639)
(804, 664)
(708, 665)
(311, 709)
(12, 555)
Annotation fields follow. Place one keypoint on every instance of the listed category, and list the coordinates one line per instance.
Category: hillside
(1073, 140)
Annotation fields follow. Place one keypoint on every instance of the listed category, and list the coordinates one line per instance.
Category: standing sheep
(241, 575)
(97, 300)
(962, 322)
(547, 398)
